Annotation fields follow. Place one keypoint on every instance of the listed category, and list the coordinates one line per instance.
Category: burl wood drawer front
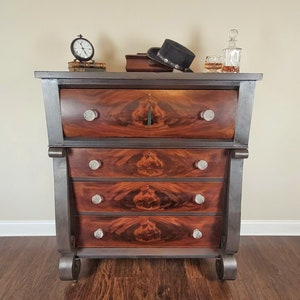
(148, 113)
(148, 231)
(148, 196)
(130, 163)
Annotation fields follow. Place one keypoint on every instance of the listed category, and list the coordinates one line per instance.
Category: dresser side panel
(244, 114)
(52, 110)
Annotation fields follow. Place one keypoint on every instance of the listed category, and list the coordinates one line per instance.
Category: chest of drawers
(148, 164)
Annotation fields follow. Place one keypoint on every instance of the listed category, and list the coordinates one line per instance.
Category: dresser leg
(69, 267)
(226, 267)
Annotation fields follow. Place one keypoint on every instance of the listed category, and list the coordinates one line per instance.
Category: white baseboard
(270, 227)
(27, 228)
(248, 227)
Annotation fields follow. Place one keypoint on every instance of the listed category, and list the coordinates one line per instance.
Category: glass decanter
(232, 54)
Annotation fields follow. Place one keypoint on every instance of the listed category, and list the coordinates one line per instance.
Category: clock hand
(83, 51)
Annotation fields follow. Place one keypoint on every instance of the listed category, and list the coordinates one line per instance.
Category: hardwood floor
(268, 268)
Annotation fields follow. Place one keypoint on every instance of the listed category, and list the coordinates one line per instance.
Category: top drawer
(93, 113)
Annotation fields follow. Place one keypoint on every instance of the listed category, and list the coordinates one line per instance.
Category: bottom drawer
(148, 231)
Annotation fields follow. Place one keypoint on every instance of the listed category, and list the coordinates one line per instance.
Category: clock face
(82, 49)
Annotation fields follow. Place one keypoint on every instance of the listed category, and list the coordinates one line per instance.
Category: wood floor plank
(268, 268)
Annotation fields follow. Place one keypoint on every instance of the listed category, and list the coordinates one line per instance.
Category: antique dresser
(148, 164)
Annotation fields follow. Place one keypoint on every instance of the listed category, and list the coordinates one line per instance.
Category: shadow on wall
(116, 63)
(195, 44)
(109, 55)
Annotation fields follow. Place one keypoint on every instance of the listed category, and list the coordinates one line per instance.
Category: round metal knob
(201, 164)
(94, 164)
(197, 234)
(207, 115)
(98, 234)
(199, 199)
(97, 199)
(90, 115)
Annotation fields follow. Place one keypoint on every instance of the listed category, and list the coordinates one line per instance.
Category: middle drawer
(138, 163)
(148, 196)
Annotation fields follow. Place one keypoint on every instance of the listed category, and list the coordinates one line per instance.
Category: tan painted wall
(36, 34)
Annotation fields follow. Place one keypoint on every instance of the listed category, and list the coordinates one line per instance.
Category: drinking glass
(213, 63)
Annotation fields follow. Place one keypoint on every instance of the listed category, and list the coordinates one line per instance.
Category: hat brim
(152, 54)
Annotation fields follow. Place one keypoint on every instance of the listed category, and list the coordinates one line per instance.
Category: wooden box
(141, 63)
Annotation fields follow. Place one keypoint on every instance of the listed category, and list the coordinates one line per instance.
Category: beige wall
(35, 35)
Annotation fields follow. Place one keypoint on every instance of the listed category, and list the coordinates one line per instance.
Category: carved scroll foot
(226, 267)
(69, 267)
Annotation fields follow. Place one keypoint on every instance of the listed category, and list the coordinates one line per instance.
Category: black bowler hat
(173, 55)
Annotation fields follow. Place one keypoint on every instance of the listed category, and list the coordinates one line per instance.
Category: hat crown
(176, 53)
(173, 54)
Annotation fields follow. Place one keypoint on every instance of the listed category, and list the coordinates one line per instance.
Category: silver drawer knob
(94, 164)
(201, 164)
(90, 115)
(97, 199)
(98, 234)
(208, 115)
(197, 234)
(199, 199)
